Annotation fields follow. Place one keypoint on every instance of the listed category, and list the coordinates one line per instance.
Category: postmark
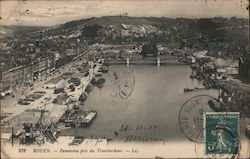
(221, 136)
(191, 115)
(123, 82)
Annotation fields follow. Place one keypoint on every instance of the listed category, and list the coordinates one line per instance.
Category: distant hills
(227, 36)
(17, 30)
(106, 25)
(109, 20)
(162, 23)
(118, 20)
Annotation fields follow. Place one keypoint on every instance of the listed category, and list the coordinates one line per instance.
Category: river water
(151, 110)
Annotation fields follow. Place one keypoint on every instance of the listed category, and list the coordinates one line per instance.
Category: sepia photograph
(124, 79)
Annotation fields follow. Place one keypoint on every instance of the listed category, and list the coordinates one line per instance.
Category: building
(124, 33)
(71, 52)
(16, 77)
(244, 68)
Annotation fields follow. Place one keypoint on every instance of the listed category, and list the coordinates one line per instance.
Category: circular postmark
(123, 81)
(225, 144)
(191, 115)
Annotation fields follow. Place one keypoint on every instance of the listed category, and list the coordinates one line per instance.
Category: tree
(149, 49)
(91, 31)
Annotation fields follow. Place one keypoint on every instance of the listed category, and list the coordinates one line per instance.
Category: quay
(56, 110)
(85, 81)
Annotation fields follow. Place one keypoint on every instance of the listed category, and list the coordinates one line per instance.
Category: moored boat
(99, 83)
(89, 88)
(83, 97)
(83, 119)
(89, 118)
(188, 89)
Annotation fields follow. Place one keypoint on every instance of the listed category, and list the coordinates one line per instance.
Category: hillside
(18, 30)
(161, 23)
(200, 25)
(108, 20)
(229, 35)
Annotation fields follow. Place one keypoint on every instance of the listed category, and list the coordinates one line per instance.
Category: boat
(214, 105)
(103, 70)
(89, 118)
(77, 140)
(99, 83)
(89, 88)
(188, 89)
(76, 107)
(93, 81)
(83, 97)
(199, 88)
(106, 64)
(83, 119)
(194, 89)
(101, 80)
(98, 74)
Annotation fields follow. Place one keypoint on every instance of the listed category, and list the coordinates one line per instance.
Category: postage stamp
(221, 132)
(200, 147)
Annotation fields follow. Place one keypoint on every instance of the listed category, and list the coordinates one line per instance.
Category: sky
(49, 13)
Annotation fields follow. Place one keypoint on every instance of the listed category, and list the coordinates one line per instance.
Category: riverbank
(56, 110)
(11, 109)
(234, 95)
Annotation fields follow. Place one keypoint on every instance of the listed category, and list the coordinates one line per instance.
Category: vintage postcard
(124, 79)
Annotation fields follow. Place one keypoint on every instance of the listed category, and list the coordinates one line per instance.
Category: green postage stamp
(222, 132)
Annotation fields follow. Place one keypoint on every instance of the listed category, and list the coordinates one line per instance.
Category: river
(151, 110)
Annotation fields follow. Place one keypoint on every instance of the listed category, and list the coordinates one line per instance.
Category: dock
(56, 110)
